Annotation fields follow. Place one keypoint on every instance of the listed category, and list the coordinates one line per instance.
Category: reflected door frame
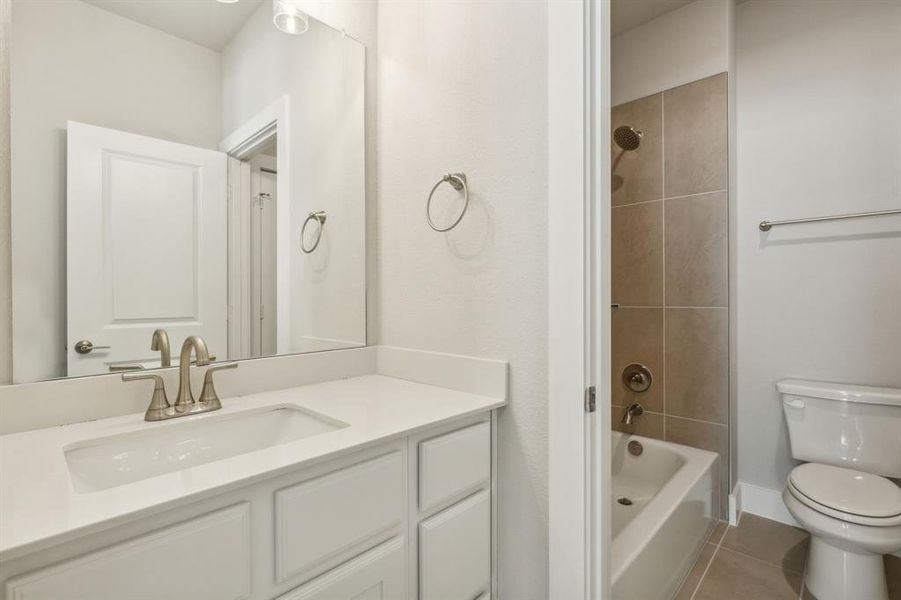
(240, 145)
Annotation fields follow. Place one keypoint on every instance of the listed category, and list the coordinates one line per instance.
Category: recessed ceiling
(205, 22)
(628, 14)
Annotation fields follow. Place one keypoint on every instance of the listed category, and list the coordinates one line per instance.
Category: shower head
(627, 138)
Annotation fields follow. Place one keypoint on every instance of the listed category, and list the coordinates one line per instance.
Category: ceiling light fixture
(227, 1)
(288, 18)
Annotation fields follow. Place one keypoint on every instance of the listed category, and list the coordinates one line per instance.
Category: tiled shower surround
(670, 266)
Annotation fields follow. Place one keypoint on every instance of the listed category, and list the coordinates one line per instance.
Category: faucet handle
(208, 394)
(159, 403)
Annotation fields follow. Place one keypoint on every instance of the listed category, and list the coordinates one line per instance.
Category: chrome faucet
(634, 410)
(196, 344)
(160, 408)
(160, 343)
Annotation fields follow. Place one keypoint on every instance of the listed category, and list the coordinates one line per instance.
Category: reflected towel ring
(458, 182)
(319, 217)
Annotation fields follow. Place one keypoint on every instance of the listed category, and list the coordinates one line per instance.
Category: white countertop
(39, 506)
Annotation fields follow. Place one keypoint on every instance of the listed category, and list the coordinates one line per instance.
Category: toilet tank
(852, 426)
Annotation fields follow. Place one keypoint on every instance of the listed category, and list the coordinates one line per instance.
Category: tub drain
(624, 501)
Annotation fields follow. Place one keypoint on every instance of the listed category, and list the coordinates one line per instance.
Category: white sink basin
(104, 463)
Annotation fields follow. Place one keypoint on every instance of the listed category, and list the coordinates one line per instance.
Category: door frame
(242, 143)
(579, 299)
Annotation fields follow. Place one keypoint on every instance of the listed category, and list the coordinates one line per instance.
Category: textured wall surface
(463, 88)
(819, 133)
(670, 251)
(5, 263)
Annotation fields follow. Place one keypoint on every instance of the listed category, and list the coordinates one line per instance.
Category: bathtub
(657, 538)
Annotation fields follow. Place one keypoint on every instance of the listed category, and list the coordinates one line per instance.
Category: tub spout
(634, 410)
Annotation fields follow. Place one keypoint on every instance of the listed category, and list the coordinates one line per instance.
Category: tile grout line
(663, 242)
(716, 551)
(695, 194)
(686, 307)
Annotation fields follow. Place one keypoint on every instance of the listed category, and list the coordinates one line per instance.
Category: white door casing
(264, 200)
(146, 246)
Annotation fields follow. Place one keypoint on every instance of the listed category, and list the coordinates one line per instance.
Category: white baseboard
(764, 502)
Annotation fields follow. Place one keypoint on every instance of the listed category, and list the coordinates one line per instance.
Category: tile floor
(760, 559)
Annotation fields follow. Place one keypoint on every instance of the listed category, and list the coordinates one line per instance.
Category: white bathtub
(657, 539)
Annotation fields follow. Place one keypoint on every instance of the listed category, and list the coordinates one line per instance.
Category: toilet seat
(848, 495)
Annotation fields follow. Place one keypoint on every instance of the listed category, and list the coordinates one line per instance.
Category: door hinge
(590, 399)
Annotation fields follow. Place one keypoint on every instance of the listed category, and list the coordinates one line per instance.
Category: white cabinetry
(406, 519)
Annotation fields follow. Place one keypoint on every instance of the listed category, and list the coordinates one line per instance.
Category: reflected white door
(146, 246)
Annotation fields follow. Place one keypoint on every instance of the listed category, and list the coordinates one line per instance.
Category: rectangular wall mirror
(179, 169)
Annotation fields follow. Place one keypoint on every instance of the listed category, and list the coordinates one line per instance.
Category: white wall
(819, 132)
(322, 73)
(679, 47)
(463, 87)
(74, 61)
(5, 264)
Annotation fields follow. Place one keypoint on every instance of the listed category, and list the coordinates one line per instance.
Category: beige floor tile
(893, 575)
(769, 541)
(734, 576)
(716, 536)
(694, 576)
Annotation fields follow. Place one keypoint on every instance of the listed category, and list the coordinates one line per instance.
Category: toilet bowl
(851, 527)
(842, 495)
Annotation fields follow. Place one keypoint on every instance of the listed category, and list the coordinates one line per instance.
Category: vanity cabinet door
(453, 464)
(330, 518)
(379, 574)
(206, 558)
(455, 551)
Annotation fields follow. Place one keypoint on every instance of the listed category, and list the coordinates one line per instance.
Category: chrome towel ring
(458, 182)
(319, 217)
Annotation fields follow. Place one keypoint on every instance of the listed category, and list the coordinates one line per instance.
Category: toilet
(849, 438)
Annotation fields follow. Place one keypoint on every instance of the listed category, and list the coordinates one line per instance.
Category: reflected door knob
(86, 346)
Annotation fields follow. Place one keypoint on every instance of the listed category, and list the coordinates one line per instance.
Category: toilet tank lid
(840, 391)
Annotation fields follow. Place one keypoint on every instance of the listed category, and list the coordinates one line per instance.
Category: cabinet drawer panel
(320, 518)
(453, 463)
(206, 558)
(379, 574)
(455, 551)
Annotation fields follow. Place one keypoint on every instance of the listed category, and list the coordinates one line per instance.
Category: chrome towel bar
(767, 225)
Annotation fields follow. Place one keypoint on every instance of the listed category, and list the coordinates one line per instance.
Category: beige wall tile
(650, 424)
(697, 250)
(697, 363)
(738, 577)
(698, 434)
(695, 136)
(637, 337)
(637, 254)
(707, 436)
(638, 174)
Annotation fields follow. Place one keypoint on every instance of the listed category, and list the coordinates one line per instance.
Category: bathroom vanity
(364, 488)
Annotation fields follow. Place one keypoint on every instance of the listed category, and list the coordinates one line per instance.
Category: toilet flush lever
(795, 403)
